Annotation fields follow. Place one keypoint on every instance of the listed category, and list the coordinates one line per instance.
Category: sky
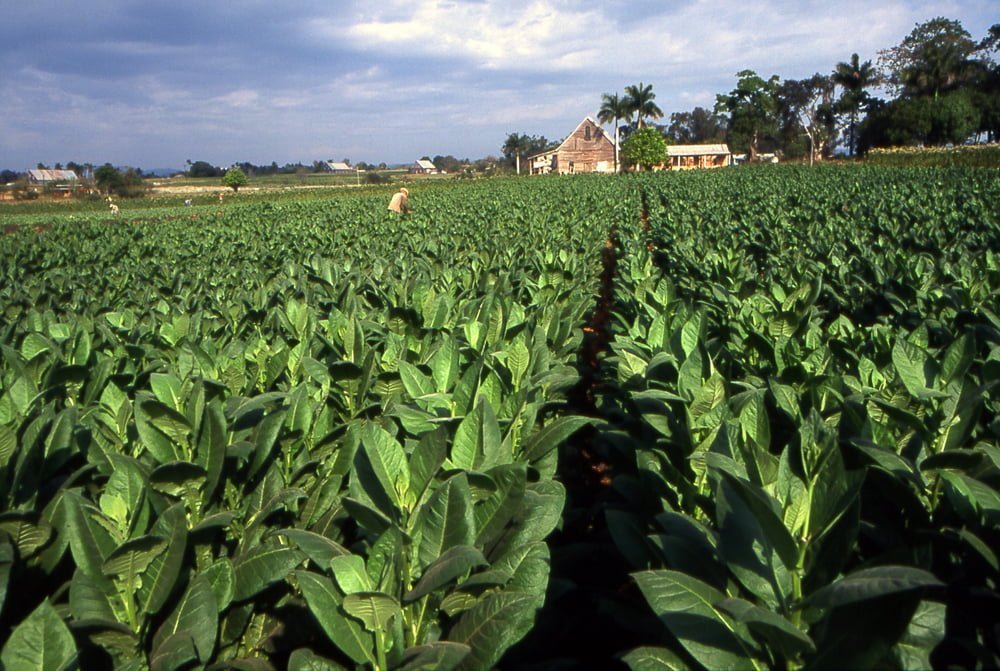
(155, 84)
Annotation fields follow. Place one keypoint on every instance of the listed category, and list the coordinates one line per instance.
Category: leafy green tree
(698, 126)
(949, 119)
(640, 99)
(806, 106)
(108, 178)
(613, 109)
(645, 147)
(234, 179)
(753, 110)
(853, 77)
(937, 56)
(518, 146)
(203, 169)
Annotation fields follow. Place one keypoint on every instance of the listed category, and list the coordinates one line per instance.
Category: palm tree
(613, 109)
(854, 77)
(515, 144)
(640, 100)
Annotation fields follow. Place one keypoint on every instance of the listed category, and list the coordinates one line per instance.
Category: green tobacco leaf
(131, 559)
(686, 606)
(27, 531)
(446, 520)
(654, 659)
(771, 626)
(320, 549)
(552, 435)
(925, 631)
(494, 513)
(958, 357)
(478, 442)
(750, 532)
(261, 567)
(325, 602)
(375, 609)
(871, 583)
(6, 562)
(176, 477)
(89, 541)
(445, 365)
(913, 365)
(381, 469)
(304, 659)
(494, 625)
(453, 564)
(437, 656)
(161, 429)
(415, 382)
(196, 615)
(426, 460)
(41, 642)
(350, 574)
(160, 577)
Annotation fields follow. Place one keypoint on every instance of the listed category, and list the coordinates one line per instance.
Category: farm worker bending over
(400, 201)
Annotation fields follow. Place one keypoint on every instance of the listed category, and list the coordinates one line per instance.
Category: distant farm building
(424, 167)
(65, 181)
(586, 149)
(339, 168)
(53, 178)
(692, 156)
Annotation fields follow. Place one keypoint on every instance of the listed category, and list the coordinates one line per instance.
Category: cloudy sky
(156, 83)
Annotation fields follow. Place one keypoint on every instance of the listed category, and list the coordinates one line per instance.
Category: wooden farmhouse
(692, 156)
(586, 149)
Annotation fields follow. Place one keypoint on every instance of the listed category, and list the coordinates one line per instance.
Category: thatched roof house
(691, 156)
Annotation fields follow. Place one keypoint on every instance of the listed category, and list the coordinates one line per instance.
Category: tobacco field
(744, 419)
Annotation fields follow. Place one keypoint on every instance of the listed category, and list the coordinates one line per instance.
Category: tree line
(942, 87)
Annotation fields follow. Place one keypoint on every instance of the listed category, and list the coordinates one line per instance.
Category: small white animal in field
(114, 208)
(187, 202)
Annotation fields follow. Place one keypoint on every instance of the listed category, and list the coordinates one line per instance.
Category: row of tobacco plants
(802, 407)
(312, 435)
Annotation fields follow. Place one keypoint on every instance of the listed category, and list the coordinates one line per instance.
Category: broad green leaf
(925, 632)
(261, 567)
(27, 531)
(446, 520)
(349, 572)
(870, 583)
(478, 442)
(320, 549)
(196, 615)
(325, 602)
(454, 563)
(687, 607)
(552, 435)
(41, 642)
(304, 659)
(493, 625)
(130, 560)
(375, 609)
(436, 656)
(654, 659)
(750, 533)
(912, 364)
(161, 575)
(771, 626)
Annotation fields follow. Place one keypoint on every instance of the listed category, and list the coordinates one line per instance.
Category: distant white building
(424, 167)
(339, 167)
(43, 177)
